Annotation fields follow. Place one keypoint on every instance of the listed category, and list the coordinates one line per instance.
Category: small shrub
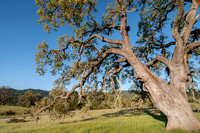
(9, 112)
(15, 120)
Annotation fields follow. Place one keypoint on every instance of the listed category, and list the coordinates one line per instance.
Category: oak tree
(7, 95)
(94, 50)
(28, 99)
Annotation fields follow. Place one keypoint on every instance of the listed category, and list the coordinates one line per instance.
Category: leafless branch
(119, 61)
(123, 29)
(114, 71)
(180, 12)
(190, 20)
(161, 59)
(94, 48)
(192, 47)
(103, 39)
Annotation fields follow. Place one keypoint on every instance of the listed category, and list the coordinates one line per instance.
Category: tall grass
(99, 121)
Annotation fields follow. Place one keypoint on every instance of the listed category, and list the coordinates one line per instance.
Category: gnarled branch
(190, 20)
(161, 59)
(180, 12)
(91, 65)
(192, 47)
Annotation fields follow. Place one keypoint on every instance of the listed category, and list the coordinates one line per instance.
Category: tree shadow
(125, 112)
(75, 121)
(157, 115)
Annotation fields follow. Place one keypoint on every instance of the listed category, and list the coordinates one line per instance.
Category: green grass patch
(98, 121)
(12, 110)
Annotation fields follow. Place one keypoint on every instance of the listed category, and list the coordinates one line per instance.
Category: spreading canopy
(88, 51)
(168, 41)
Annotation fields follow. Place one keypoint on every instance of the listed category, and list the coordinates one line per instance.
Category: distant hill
(16, 92)
(45, 93)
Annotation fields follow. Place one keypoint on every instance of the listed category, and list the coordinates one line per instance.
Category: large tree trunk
(173, 104)
(168, 98)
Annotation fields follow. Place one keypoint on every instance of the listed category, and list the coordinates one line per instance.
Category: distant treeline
(90, 100)
(11, 96)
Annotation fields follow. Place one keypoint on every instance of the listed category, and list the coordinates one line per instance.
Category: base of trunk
(174, 105)
(179, 123)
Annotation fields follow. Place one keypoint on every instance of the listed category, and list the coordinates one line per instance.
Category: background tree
(93, 52)
(7, 96)
(28, 99)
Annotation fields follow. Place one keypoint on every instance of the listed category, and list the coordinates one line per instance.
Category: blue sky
(19, 35)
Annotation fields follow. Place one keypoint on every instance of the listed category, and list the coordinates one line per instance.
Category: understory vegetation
(29, 103)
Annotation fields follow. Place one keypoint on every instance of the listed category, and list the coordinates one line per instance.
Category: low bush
(9, 112)
(15, 120)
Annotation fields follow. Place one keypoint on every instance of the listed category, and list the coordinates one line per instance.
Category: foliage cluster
(7, 96)
(10, 96)
(28, 99)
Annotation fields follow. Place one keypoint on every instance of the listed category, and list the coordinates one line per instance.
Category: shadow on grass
(132, 112)
(83, 120)
(127, 113)
(158, 116)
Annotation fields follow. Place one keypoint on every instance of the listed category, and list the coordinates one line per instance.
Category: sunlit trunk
(173, 104)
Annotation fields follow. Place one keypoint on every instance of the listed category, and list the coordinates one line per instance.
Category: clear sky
(19, 35)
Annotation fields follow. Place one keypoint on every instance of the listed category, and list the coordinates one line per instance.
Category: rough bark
(173, 104)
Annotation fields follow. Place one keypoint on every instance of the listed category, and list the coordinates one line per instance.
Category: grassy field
(97, 121)
(13, 108)
(12, 111)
